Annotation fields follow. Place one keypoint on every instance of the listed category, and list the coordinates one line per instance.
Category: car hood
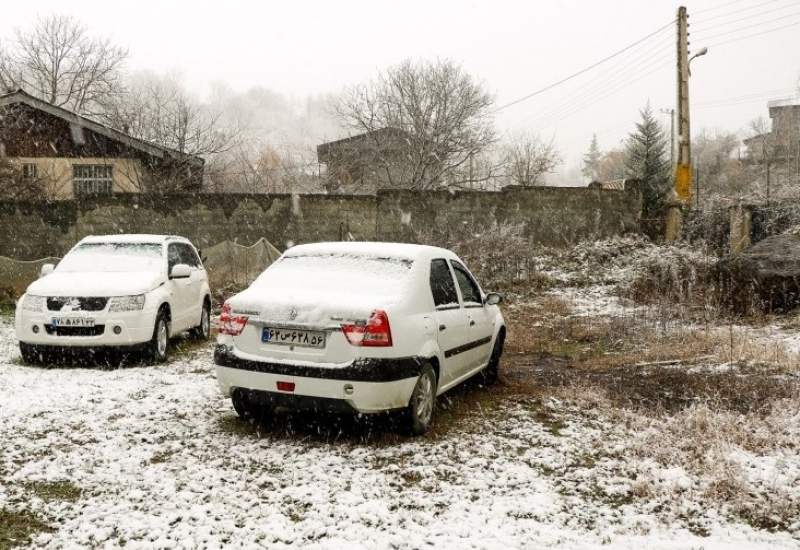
(87, 283)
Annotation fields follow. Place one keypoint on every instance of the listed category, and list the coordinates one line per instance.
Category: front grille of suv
(96, 330)
(83, 303)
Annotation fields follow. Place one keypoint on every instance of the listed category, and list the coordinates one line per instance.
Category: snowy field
(154, 457)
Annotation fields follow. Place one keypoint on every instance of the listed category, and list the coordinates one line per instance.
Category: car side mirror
(180, 271)
(47, 269)
(493, 298)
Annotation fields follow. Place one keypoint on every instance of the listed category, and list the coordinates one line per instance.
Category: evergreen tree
(647, 159)
(591, 161)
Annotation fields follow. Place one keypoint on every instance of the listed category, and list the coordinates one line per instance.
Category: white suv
(116, 291)
(368, 327)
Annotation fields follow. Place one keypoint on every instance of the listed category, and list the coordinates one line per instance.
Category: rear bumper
(366, 385)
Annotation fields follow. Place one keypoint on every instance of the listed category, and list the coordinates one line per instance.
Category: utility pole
(683, 165)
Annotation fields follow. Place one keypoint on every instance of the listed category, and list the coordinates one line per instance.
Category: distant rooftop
(789, 102)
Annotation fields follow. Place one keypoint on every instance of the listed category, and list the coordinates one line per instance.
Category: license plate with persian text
(73, 322)
(293, 337)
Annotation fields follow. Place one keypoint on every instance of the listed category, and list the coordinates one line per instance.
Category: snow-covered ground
(162, 462)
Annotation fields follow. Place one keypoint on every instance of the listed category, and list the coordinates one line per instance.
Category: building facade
(72, 156)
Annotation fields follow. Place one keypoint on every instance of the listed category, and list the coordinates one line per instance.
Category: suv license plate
(293, 337)
(73, 322)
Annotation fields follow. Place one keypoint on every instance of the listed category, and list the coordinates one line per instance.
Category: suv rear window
(443, 288)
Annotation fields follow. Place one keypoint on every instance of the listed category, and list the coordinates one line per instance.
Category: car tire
(159, 344)
(489, 374)
(422, 405)
(203, 330)
(29, 354)
(247, 408)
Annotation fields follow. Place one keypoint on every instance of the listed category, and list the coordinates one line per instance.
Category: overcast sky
(302, 47)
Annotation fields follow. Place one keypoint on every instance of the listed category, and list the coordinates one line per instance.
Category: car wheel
(29, 354)
(159, 345)
(489, 374)
(203, 330)
(422, 404)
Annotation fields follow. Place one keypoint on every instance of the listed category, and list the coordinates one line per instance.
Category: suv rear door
(189, 256)
(450, 320)
(180, 289)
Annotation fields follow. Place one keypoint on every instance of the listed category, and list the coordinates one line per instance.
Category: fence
(229, 265)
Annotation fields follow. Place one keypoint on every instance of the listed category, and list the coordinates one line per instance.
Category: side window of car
(469, 288)
(173, 256)
(442, 286)
(188, 255)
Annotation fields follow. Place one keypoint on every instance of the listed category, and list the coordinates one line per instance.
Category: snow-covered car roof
(374, 249)
(132, 238)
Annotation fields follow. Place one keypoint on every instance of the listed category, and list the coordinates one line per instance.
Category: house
(364, 163)
(782, 143)
(73, 156)
(610, 185)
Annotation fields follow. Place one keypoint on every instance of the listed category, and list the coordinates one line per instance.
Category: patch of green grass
(161, 457)
(7, 309)
(233, 425)
(54, 490)
(18, 527)
(184, 347)
(553, 425)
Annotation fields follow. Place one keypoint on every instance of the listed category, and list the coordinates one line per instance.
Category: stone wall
(553, 216)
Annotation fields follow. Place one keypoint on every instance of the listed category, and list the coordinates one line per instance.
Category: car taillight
(231, 324)
(375, 332)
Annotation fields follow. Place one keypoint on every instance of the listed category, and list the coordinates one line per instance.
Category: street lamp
(702, 51)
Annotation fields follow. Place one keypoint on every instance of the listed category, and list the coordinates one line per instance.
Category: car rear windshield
(113, 257)
(343, 274)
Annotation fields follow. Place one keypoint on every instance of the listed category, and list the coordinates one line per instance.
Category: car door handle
(472, 322)
(442, 327)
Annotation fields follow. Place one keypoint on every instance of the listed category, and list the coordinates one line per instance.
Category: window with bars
(92, 179)
(30, 171)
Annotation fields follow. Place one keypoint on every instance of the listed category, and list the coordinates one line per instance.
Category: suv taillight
(231, 324)
(375, 333)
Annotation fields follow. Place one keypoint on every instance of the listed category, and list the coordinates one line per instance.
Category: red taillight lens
(376, 333)
(285, 386)
(231, 324)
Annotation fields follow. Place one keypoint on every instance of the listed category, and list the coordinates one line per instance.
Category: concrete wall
(550, 215)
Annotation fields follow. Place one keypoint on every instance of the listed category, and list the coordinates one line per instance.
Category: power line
(754, 35)
(642, 59)
(748, 8)
(612, 80)
(582, 71)
(745, 18)
(719, 6)
(561, 115)
(745, 97)
(758, 24)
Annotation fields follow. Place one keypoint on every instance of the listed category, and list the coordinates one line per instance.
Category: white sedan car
(116, 291)
(368, 327)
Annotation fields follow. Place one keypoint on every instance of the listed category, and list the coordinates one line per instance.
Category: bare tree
(611, 165)
(424, 120)
(253, 167)
(765, 149)
(16, 185)
(59, 62)
(158, 109)
(528, 159)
